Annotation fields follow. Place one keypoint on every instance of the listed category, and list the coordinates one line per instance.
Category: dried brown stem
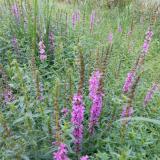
(82, 72)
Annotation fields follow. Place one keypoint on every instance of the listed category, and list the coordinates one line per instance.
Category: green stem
(35, 25)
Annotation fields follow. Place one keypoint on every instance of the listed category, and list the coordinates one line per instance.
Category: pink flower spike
(84, 158)
(92, 19)
(77, 117)
(15, 12)
(96, 95)
(43, 57)
(42, 51)
(147, 41)
(128, 82)
(150, 94)
(61, 154)
(73, 20)
(94, 83)
(145, 46)
(127, 112)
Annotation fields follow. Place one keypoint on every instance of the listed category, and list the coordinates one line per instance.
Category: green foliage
(28, 125)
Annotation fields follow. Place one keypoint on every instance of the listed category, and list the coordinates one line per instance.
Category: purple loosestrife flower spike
(84, 158)
(61, 154)
(77, 117)
(127, 112)
(145, 46)
(94, 84)
(73, 20)
(95, 112)
(43, 55)
(147, 41)
(150, 94)
(128, 82)
(92, 20)
(15, 12)
(110, 37)
(96, 95)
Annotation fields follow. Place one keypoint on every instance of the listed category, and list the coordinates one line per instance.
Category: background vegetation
(34, 92)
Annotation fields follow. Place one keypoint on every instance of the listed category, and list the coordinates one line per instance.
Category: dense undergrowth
(79, 79)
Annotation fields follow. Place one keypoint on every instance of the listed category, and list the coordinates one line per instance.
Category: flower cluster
(96, 95)
(127, 112)
(147, 41)
(43, 55)
(128, 82)
(92, 20)
(94, 84)
(84, 158)
(77, 117)
(75, 18)
(131, 75)
(15, 12)
(61, 154)
(149, 94)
